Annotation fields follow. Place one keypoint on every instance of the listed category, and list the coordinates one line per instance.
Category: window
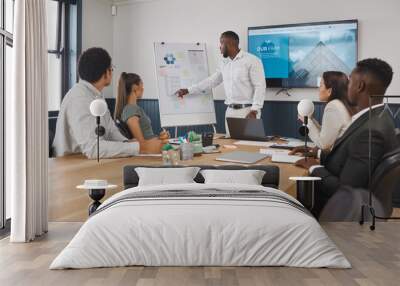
(64, 30)
(6, 65)
(9, 15)
(54, 52)
(8, 73)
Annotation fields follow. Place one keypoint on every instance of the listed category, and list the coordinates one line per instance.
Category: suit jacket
(348, 161)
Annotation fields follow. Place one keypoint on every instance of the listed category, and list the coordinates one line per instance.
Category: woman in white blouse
(337, 113)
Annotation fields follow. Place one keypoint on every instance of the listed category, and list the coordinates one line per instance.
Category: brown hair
(338, 82)
(125, 84)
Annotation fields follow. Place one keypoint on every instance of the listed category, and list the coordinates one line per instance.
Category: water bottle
(186, 151)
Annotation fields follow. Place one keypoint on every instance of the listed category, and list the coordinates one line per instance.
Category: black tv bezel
(268, 81)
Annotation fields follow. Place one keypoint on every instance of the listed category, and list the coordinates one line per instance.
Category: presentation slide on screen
(299, 55)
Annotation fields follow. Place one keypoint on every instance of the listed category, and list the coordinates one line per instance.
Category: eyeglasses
(112, 67)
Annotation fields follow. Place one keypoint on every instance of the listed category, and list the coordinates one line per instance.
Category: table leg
(305, 193)
(96, 195)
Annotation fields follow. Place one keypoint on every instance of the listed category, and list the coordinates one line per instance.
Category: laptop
(247, 129)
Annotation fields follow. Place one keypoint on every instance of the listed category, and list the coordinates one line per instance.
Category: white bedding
(200, 231)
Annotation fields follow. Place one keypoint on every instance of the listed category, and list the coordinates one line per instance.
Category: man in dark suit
(348, 161)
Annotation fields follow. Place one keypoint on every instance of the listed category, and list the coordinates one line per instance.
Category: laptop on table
(247, 129)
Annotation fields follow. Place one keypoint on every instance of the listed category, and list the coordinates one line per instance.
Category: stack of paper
(149, 155)
(282, 158)
(293, 144)
(254, 143)
(271, 152)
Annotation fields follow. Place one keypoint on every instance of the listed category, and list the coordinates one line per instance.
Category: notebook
(242, 157)
(282, 158)
(254, 143)
(272, 152)
(291, 144)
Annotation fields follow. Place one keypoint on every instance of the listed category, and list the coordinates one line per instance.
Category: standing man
(243, 77)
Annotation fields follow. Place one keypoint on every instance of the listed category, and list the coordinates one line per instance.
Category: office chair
(345, 204)
(51, 139)
(386, 180)
(397, 134)
(124, 129)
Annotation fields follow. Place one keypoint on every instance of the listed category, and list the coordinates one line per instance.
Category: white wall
(139, 23)
(97, 28)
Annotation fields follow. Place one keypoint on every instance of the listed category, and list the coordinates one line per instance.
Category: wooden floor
(375, 257)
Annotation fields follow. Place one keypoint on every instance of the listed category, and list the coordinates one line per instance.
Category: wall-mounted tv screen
(296, 55)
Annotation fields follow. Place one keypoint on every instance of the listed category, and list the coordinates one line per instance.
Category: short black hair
(378, 69)
(93, 63)
(230, 35)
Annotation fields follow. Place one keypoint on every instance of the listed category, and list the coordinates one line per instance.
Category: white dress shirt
(75, 132)
(353, 119)
(365, 110)
(335, 121)
(243, 78)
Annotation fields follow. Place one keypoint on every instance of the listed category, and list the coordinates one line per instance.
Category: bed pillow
(247, 177)
(166, 176)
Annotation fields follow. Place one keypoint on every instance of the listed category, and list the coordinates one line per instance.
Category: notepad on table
(242, 157)
(149, 155)
(270, 152)
(282, 158)
(254, 143)
(291, 145)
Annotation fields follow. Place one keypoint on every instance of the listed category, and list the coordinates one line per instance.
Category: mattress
(201, 225)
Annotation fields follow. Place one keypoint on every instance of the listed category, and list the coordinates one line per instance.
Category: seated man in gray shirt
(75, 131)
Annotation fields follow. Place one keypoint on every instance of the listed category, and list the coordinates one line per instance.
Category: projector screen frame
(277, 82)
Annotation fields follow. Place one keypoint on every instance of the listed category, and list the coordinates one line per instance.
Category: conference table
(66, 203)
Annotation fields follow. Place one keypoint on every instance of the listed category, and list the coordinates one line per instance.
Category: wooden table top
(66, 203)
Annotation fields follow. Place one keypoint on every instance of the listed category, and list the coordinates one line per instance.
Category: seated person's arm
(150, 146)
(330, 183)
(325, 136)
(82, 128)
(355, 170)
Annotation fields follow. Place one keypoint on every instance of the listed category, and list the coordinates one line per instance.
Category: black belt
(238, 106)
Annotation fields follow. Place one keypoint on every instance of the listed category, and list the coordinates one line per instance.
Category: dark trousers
(320, 199)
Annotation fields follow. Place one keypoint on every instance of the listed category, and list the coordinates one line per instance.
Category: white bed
(267, 229)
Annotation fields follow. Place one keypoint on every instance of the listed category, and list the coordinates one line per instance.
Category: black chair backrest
(386, 180)
(270, 179)
(397, 134)
(51, 139)
(124, 129)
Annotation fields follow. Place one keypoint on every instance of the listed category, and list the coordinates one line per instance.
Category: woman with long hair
(337, 113)
(130, 90)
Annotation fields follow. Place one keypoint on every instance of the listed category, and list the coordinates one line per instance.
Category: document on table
(254, 143)
(149, 155)
(271, 152)
(293, 144)
(282, 158)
